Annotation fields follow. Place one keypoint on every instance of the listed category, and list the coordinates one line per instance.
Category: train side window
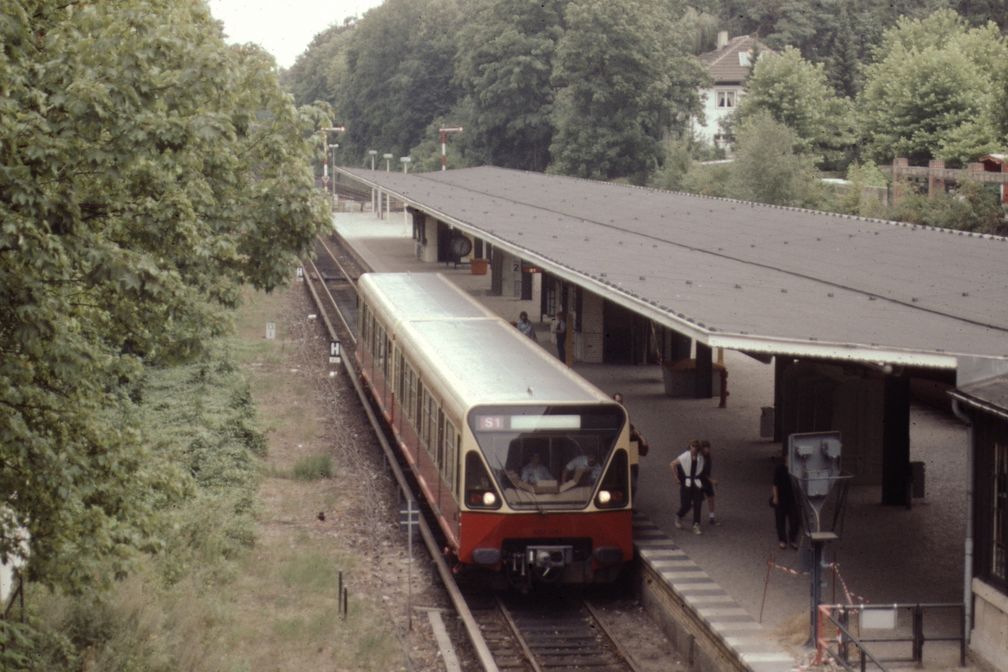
(386, 356)
(411, 391)
(425, 418)
(418, 411)
(439, 440)
(455, 461)
(399, 376)
(448, 466)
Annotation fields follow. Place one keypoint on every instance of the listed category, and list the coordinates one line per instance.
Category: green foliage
(973, 206)
(313, 467)
(624, 80)
(399, 74)
(795, 93)
(931, 93)
(504, 64)
(767, 168)
(148, 171)
(678, 160)
(862, 196)
(709, 180)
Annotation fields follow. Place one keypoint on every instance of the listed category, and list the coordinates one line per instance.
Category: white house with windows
(729, 67)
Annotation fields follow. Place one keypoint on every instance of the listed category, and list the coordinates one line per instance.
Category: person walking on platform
(785, 507)
(707, 483)
(688, 468)
(560, 332)
(524, 326)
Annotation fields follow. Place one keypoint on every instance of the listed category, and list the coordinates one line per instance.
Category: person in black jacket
(785, 507)
(707, 483)
(688, 468)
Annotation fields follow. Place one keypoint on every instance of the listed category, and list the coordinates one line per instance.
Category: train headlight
(489, 499)
(604, 497)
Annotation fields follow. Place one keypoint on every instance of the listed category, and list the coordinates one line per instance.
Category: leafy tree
(148, 170)
(860, 198)
(767, 169)
(796, 93)
(624, 82)
(399, 74)
(504, 64)
(931, 92)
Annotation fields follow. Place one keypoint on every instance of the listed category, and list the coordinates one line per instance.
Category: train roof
(482, 358)
(411, 296)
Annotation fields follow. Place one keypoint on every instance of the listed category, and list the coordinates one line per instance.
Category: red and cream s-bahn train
(524, 463)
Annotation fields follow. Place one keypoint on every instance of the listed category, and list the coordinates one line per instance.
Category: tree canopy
(624, 81)
(147, 171)
(932, 91)
(796, 93)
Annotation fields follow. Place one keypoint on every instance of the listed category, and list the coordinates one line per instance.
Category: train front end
(546, 494)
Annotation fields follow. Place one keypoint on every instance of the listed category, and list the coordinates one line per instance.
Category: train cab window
(549, 456)
(480, 492)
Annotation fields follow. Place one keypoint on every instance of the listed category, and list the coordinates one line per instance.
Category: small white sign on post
(334, 352)
(270, 331)
(300, 273)
(878, 619)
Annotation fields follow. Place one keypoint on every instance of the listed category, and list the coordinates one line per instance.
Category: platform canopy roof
(739, 275)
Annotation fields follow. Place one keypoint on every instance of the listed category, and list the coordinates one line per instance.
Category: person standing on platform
(560, 331)
(688, 468)
(524, 326)
(707, 483)
(639, 447)
(785, 507)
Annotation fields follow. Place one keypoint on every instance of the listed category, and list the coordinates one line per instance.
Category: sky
(283, 27)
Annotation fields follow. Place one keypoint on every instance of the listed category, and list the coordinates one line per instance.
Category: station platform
(756, 595)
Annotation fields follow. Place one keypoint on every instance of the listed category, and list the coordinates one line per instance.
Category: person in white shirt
(582, 466)
(535, 471)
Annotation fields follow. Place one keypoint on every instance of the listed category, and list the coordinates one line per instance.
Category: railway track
(507, 632)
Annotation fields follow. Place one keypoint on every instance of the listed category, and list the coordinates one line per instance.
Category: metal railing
(839, 617)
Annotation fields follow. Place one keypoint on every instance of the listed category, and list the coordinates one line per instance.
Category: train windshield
(547, 456)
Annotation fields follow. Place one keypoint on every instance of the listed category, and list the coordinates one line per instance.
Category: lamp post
(405, 160)
(372, 153)
(326, 130)
(388, 169)
(443, 138)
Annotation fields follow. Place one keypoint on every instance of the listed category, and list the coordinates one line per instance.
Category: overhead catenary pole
(388, 195)
(326, 130)
(443, 137)
(405, 160)
(372, 153)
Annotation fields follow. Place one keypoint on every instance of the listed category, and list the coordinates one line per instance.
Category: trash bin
(917, 479)
(766, 422)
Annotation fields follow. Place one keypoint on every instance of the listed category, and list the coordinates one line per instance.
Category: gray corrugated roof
(739, 274)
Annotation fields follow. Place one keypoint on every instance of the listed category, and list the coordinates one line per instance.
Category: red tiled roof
(723, 63)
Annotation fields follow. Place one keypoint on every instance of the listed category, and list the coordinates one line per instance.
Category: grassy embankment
(246, 575)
